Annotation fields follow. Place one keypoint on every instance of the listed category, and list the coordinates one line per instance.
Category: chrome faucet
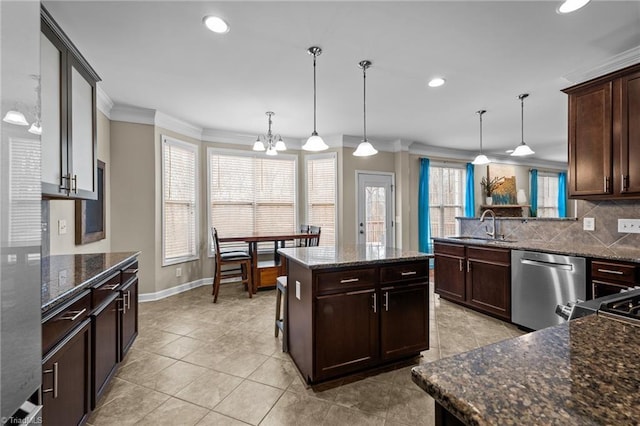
(492, 234)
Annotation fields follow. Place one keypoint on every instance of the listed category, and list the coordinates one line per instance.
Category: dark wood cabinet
(475, 276)
(610, 277)
(346, 332)
(449, 271)
(66, 378)
(604, 136)
(105, 348)
(129, 315)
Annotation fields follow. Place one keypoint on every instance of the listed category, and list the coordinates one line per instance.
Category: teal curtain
(534, 192)
(562, 194)
(424, 222)
(469, 201)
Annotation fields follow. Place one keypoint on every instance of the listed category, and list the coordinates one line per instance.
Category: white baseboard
(150, 297)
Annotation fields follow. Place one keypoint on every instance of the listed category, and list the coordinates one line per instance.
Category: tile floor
(196, 363)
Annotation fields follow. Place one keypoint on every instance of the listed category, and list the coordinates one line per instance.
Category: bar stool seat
(281, 293)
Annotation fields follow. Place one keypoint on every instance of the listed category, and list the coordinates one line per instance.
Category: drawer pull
(110, 287)
(460, 261)
(53, 390)
(610, 271)
(128, 300)
(375, 302)
(406, 274)
(131, 271)
(386, 301)
(349, 280)
(73, 315)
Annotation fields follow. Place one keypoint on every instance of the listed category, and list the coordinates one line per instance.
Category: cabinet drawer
(105, 289)
(129, 271)
(343, 280)
(614, 271)
(405, 272)
(57, 324)
(489, 254)
(450, 249)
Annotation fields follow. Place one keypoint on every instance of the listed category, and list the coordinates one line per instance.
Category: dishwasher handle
(562, 266)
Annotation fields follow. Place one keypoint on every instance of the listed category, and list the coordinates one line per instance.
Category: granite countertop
(351, 255)
(584, 372)
(630, 254)
(64, 276)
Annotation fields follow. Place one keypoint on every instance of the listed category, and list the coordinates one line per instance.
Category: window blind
(446, 199)
(25, 192)
(321, 196)
(179, 195)
(250, 194)
(547, 195)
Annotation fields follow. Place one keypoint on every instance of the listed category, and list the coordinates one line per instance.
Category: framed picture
(91, 214)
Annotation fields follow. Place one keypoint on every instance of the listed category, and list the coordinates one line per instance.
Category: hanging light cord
(364, 98)
(524, 95)
(480, 114)
(314, 94)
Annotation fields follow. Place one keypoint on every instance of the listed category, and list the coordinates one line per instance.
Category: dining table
(253, 238)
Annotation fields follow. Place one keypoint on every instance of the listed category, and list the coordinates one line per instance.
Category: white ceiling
(158, 55)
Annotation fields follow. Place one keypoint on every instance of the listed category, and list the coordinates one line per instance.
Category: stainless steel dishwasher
(540, 282)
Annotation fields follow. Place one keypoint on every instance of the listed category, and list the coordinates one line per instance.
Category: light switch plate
(298, 290)
(62, 227)
(178, 272)
(629, 226)
(589, 224)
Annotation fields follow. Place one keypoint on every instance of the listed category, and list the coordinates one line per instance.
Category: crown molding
(614, 63)
(133, 114)
(179, 126)
(103, 101)
(401, 145)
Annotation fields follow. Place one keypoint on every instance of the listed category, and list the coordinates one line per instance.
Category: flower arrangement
(489, 185)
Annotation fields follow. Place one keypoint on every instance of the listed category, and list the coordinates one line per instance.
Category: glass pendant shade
(280, 146)
(258, 146)
(36, 128)
(523, 149)
(365, 149)
(271, 151)
(15, 117)
(480, 160)
(315, 143)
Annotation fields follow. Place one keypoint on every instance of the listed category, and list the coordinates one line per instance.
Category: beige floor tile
(217, 419)
(209, 389)
(413, 407)
(209, 355)
(240, 364)
(275, 372)
(129, 407)
(249, 402)
(297, 409)
(366, 395)
(174, 412)
(179, 348)
(151, 339)
(325, 391)
(338, 415)
(174, 378)
(144, 367)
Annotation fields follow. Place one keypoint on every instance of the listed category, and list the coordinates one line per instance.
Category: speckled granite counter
(584, 372)
(63, 276)
(625, 253)
(353, 255)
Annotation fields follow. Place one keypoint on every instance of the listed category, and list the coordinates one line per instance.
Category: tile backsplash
(568, 231)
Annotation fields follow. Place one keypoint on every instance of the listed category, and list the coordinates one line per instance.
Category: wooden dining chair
(314, 241)
(236, 258)
(302, 242)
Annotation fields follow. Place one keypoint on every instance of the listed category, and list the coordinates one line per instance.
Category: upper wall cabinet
(68, 88)
(604, 137)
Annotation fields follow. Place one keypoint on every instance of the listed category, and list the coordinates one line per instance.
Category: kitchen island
(584, 372)
(354, 308)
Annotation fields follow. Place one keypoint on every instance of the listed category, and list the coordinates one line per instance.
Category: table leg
(253, 249)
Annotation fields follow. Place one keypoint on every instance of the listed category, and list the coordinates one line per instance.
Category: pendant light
(523, 149)
(481, 158)
(315, 142)
(364, 149)
(274, 143)
(15, 117)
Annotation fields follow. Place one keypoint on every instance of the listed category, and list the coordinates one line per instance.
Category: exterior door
(375, 209)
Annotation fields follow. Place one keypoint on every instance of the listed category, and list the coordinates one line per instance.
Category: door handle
(375, 300)
(54, 389)
(460, 261)
(468, 266)
(386, 301)
(73, 315)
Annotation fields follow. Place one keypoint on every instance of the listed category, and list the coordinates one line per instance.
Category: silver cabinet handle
(128, 300)
(609, 271)
(375, 302)
(110, 286)
(460, 261)
(131, 271)
(386, 301)
(74, 315)
(350, 280)
(405, 274)
(53, 390)
(468, 266)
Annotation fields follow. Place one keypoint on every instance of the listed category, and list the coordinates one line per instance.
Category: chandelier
(269, 142)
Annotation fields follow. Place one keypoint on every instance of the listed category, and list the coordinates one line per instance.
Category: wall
(65, 209)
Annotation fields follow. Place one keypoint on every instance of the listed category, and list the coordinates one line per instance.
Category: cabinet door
(346, 332)
(449, 277)
(105, 345)
(129, 316)
(590, 141)
(82, 132)
(65, 379)
(404, 320)
(630, 135)
(489, 287)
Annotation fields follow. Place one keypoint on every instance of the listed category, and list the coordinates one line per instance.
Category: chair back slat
(216, 242)
(314, 241)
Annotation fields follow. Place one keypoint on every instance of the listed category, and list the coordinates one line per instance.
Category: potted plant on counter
(488, 186)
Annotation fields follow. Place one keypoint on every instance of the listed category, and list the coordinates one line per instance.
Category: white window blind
(321, 196)
(446, 198)
(25, 192)
(179, 201)
(248, 193)
(547, 195)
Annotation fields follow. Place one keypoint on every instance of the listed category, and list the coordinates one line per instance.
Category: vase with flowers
(488, 186)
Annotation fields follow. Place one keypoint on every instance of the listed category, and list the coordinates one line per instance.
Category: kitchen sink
(473, 239)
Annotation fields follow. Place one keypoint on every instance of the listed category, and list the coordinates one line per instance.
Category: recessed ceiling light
(216, 24)
(436, 82)
(569, 6)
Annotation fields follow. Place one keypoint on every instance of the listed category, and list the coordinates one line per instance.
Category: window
(24, 190)
(179, 201)
(321, 180)
(547, 195)
(251, 193)
(446, 198)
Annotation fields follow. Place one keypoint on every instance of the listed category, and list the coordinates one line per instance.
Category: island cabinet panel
(66, 379)
(610, 277)
(105, 346)
(449, 272)
(129, 315)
